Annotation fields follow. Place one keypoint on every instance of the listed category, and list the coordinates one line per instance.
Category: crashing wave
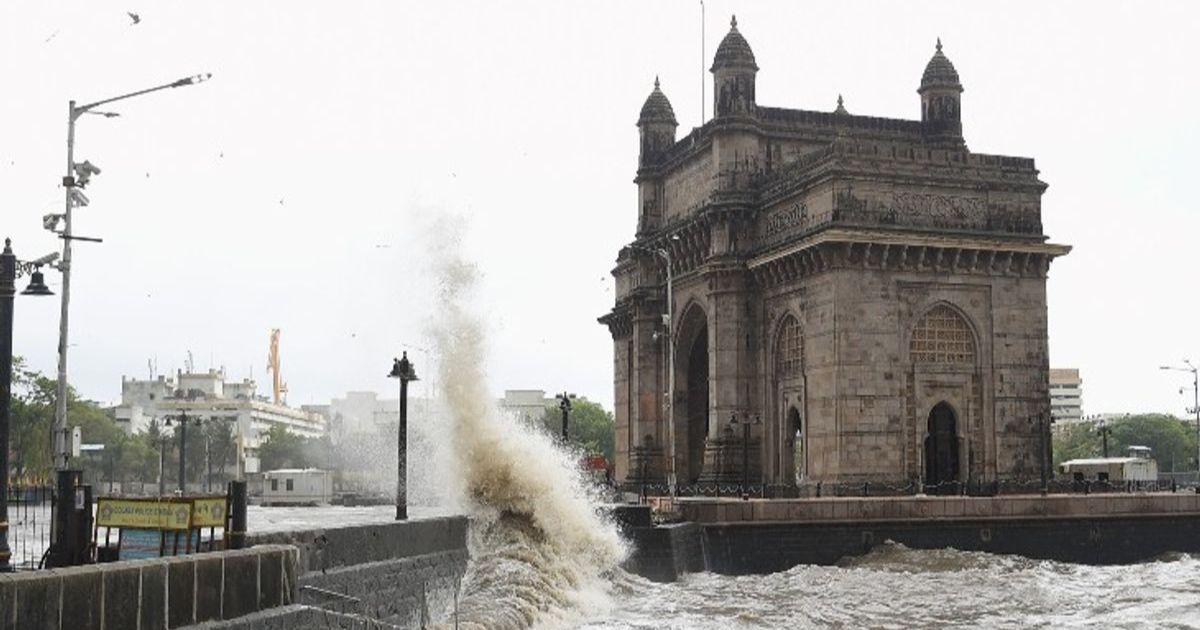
(539, 550)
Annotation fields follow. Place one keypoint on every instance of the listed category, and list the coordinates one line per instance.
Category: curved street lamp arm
(192, 80)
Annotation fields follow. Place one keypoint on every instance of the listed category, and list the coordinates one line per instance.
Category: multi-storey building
(208, 397)
(1066, 396)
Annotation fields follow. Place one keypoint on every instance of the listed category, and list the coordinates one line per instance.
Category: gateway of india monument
(864, 297)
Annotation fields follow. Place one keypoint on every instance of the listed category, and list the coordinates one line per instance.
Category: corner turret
(656, 126)
(734, 72)
(941, 100)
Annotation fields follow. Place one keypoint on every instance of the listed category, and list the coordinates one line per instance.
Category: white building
(367, 413)
(1066, 396)
(526, 404)
(208, 396)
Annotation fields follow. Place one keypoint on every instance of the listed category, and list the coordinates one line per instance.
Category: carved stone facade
(868, 289)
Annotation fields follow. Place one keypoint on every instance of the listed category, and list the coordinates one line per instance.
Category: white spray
(540, 553)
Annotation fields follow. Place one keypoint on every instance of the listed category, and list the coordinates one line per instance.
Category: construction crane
(278, 387)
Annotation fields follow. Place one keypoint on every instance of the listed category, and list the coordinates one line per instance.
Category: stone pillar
(648, 433)
(733, 369)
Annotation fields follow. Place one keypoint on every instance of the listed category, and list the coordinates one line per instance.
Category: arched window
(942, 336)
(788, 348)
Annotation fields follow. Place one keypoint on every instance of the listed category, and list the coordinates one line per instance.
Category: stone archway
(941, 447)
(794, 429)
(691, 412)
(697, 405)
(788, 392)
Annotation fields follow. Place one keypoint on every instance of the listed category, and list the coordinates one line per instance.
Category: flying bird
(134, 18)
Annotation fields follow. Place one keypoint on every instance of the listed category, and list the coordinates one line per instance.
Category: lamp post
(1195, 403)
(183, 419)
(161, 442)
(9, 268)
(746, 423)
(1104, 430)
(76, 178)
(564, 405)
(668, 324)
(402, 369)
(1044, 437)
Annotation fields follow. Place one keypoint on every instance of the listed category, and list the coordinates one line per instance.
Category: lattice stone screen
(788, 348)
(942, 336)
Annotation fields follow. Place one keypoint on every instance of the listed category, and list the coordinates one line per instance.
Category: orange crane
(278, 387)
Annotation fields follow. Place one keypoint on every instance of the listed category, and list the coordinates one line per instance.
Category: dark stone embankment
(733, 537)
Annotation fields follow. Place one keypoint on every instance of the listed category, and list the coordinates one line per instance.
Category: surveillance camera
(50, 221)
(84, 172)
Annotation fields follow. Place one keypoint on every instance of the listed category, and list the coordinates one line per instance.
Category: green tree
(1171, 440)
(280, 448)
(31, 416)
(589, 426)
(1076, 441)
(32, 419)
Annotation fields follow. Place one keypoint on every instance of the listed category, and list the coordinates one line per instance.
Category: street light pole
(183, 422)
(402, 369)
(8, 289)
(9, 267)
(1104, 432)
(746, 422)
(1195, 403)
(72, 198)
(564, 405)
(1044, 436)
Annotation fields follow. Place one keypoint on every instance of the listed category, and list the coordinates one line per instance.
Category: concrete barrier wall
(396, 572)
(665, 553)
(154, 594)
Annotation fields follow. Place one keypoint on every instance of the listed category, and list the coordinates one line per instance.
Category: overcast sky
(291, 190)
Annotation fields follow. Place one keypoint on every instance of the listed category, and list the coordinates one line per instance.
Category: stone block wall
(393, 572)
(155, 594)
(665, 553)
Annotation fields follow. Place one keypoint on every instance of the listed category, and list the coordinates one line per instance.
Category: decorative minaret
(941, 111)
(656, 126)
(733, 75)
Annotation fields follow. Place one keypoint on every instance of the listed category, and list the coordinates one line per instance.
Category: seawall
(731, 536)
(392, 574)
(153, 594)
(396, 572)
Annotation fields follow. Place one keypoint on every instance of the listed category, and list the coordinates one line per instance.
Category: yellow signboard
(208, 512)
(144, 514)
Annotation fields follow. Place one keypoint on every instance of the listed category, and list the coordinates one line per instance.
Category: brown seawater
(897, 587)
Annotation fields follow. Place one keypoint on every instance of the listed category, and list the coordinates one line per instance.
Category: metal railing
(882, 489)
(29, 513)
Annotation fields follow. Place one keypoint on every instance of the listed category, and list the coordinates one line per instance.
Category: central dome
(734, 51)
